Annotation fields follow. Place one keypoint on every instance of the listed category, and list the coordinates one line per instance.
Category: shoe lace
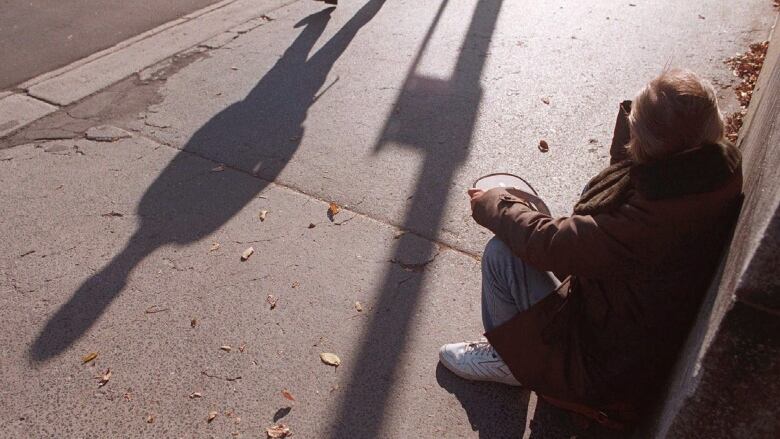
(482, 348)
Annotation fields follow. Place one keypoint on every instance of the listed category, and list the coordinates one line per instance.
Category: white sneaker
(476, 361)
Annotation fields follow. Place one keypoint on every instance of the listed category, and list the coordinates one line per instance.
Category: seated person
(635, 258)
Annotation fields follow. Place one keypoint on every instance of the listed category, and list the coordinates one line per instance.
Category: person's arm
(592, 246)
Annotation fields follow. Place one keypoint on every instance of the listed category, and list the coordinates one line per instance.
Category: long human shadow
(187, 202)
(437, 117)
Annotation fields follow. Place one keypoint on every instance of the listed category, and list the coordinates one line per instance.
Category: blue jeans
(509, 285)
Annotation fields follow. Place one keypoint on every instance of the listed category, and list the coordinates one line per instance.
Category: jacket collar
(694, 171)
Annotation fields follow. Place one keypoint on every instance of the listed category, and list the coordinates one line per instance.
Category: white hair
(674, 112)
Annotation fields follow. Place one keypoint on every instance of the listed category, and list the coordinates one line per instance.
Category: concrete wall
(727, 381)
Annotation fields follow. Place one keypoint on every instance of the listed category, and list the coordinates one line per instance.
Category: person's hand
(474, 195)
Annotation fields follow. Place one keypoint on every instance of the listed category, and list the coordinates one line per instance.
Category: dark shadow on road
(437, 117)
(496, 411)
(187, 202)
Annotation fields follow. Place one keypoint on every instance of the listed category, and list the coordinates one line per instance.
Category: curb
(18, 110)
(50, 91)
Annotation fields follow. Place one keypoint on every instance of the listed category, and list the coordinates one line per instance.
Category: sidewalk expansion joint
(42, 99)
(442, 246)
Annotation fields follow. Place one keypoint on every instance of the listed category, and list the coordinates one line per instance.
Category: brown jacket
(637, 255)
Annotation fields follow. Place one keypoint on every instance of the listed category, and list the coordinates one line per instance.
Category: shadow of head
(495, 410)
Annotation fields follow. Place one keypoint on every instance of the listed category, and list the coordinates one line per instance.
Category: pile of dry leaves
(746, 66)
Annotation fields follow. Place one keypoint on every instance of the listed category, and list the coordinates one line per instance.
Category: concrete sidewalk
(389, 109)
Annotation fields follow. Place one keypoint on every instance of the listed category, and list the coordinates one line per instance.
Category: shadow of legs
(86, 305)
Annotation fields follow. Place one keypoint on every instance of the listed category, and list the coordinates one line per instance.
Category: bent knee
(496, 250)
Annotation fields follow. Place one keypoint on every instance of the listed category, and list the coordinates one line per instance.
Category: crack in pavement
(258, 240)
(226, 378)
(418, 267)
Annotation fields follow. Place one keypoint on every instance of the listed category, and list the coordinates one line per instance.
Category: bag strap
(599, 416)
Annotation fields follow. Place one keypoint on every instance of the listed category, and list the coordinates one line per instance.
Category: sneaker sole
(444, 360)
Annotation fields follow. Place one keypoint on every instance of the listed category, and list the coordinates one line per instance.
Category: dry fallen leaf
(150, 419)
(247, 253)
(286, 393)
(232, 415)
(211, 417)
(262, 215)
(104, 379)
(194, 395)
(330, 359)
(218, 168)
(358, 307)
(271, 299)
(226, 348)
(278, 431)
(214, 247)
(543, 146)
(89, 357)
(747, 67)
(333, 209)
(194, 323)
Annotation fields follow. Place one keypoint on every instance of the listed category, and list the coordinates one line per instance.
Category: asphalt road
(37, 36)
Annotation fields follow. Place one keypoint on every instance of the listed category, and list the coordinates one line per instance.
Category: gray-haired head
(674, 112)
